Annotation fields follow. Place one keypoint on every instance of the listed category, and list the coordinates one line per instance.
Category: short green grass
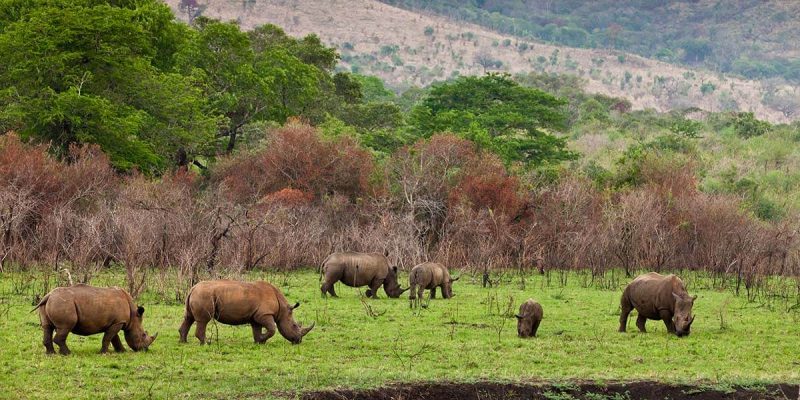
(468, 338)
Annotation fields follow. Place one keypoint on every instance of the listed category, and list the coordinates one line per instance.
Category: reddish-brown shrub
(288, 197)
(486, 185)
(298, 158)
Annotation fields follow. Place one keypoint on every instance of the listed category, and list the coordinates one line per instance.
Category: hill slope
(757, 39)
(407, 48)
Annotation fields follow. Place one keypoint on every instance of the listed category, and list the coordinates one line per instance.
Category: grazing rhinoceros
(658, 297)
(237, 303)
(529, 317)
(360, 269)
(430, 275)
(86, 310)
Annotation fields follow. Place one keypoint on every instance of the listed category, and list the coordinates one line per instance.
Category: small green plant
(558, 396)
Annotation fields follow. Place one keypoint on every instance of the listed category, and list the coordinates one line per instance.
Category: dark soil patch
(582, 391)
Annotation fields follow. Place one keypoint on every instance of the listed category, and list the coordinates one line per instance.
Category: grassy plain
(369, 343)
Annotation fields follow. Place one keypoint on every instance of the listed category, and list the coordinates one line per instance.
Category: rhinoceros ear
(140, 311)
(694, 297)
(676, 296)
(394, 269)
(296, 305)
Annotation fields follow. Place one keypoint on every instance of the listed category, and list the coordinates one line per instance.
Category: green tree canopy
(515, 122)
(93, 72)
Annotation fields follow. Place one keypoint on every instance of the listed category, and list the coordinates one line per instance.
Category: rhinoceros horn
(305, 331)
(296, 305)
(149, 342)
(404, 290)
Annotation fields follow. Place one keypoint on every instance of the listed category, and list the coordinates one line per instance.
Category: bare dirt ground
(588, 391)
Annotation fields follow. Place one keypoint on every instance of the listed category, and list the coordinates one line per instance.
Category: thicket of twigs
(303, 196)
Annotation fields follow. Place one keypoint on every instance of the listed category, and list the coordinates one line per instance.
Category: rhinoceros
(658, 297)
(259, 304)
(430, 275)
(86, 310)
(360, 269)
(529, 317)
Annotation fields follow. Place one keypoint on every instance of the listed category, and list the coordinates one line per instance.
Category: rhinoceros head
(447, 288)
(289, 328)
(391, 286)
(135, 335)
(524, 325)
(683, 318)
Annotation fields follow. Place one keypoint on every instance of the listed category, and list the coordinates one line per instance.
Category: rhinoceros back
(357, 269)
(91, 309)
(428, 275)
(233, 302)
(652, 292)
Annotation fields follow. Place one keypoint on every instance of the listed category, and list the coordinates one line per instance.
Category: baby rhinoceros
(529, 317)
(238, 303)
(429, 275)
(86, 310)
(658, 297)
(360, 269)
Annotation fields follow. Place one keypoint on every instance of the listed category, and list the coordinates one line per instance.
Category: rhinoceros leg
(61, 340)
(535, 327)
(327, 288)
(47, 331)
(373, 288)
(200, 331)
(117, 344)
(666, 316)
(266, 321)
(433, 292)
(188, 320)
(108, 335)
(640, 321)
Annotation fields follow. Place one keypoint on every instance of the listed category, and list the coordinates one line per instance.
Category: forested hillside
(757, 39)
(413, 48)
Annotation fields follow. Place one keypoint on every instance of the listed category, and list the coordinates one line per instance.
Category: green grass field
(367, 344)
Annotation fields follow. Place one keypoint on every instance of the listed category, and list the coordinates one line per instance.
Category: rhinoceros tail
(321, 268)
(188, 296)
(413, 276)
(41, 302)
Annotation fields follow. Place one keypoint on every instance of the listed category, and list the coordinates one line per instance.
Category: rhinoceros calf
(658, 297)
(529, 317)
(86, 310)
(429, 275)
(360, 269)
(238, 303)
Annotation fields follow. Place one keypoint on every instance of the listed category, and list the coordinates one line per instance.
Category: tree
(696, 50)
(89, 72)
(220, 56)
(746, 125)
(495, 112)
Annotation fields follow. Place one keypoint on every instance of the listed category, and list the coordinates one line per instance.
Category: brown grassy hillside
(405, 48)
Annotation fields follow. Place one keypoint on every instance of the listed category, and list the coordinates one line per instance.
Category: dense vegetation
(157, 145)
(756, 39)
